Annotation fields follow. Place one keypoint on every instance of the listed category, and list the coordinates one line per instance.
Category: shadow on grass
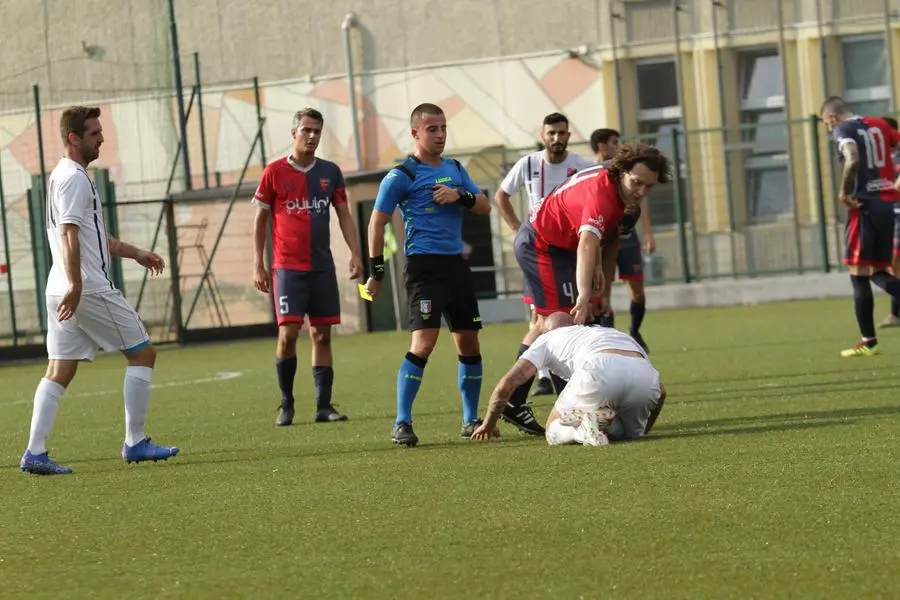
(742, 345)
(746, 430)
(787, 391)
(769, 376)
(767, 423)
(251, 455)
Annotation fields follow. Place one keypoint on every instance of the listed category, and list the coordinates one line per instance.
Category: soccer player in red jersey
(893, 319)
(297, 191)
(560, 247)
(630, 261)
(869, 190)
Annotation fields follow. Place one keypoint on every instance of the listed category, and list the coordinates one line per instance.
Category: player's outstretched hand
(445, 195)
(261, 279)
(582, 311)
(485, 433)
(356, 267)
(151, 261)
(373, 286)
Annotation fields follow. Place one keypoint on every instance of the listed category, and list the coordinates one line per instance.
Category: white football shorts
(627, 384)
(102, 321)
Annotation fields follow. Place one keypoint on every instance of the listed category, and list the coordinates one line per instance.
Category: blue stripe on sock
(409, 378)
(469, 379)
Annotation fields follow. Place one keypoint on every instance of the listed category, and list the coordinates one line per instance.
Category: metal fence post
(820, 193)
(259, 119)
(40, 138)
(179, 96)
(199, 91)
(39, 248)
(174, 268)
(111, 217)
(679, 207)
(9, 274)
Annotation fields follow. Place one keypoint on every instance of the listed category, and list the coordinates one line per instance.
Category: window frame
(759, 161)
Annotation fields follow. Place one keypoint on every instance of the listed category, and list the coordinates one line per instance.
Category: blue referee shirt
(431, 228)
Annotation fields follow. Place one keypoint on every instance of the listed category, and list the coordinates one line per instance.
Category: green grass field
(772, 472)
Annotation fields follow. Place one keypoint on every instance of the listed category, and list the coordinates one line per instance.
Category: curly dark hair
(634, 153)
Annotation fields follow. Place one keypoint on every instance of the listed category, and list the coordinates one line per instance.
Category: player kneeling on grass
(613, 391)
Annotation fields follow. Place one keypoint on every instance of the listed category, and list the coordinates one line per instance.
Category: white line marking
(222, 376)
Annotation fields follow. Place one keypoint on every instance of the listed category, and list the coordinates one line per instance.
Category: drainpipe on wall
(347, 24)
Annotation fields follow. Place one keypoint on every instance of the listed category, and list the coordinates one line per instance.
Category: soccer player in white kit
(540, 173)
(85, 310)
(613, 391)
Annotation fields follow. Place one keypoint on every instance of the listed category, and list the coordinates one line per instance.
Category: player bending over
(629, 260)
(568, 248)
(613, 391)
(539, 173)
(868, 190)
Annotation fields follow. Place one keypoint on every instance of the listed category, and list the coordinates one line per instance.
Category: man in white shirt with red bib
(85, 310)
(539, 173)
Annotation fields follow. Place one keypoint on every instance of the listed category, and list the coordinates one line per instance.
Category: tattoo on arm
(851, 166)
(519, 374)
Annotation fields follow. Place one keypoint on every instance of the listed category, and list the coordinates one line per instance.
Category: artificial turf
(770, 474)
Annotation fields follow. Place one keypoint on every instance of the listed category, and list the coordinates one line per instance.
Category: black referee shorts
(440, 285)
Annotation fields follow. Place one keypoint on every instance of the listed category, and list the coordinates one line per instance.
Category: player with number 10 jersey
(869, 191)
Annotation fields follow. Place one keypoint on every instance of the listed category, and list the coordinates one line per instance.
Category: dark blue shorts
(896, 233)
(869, 235)
(630, 260)
(549, 272)
(298, 294)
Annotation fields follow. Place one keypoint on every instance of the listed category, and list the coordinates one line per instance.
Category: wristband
(466, 198)
(376, 266)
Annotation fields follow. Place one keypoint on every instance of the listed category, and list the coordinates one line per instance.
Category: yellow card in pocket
(363, 293)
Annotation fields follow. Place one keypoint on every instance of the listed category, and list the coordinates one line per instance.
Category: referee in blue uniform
(432, 193)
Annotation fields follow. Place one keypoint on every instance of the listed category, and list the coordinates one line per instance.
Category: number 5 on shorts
(283, 305)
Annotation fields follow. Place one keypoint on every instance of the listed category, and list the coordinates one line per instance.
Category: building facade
(725, 86)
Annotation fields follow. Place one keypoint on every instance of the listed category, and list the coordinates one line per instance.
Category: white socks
(137, 400)
(46, 403)
(560, 435)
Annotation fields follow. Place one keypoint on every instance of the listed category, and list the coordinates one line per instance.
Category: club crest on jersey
(324, 183)
(425, 307)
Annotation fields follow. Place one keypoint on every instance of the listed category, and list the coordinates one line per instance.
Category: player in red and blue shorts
(869, 190)
(558, 247)
(298, 192)
(893, 319)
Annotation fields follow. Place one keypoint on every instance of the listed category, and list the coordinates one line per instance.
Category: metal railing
(755, 199)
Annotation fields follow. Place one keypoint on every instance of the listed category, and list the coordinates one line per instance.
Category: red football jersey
(299, 199)
(589, 201)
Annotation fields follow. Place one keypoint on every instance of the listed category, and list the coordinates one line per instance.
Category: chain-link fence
(744, 201)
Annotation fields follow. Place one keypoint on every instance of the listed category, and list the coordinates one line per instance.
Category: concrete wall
(496, 66)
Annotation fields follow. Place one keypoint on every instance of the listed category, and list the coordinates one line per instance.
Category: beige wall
(502, 67)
